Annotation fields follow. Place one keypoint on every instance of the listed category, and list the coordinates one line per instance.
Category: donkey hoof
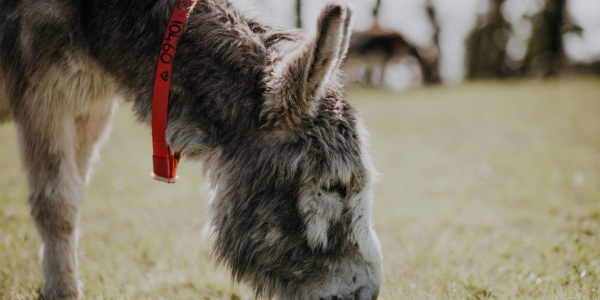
(54, 294)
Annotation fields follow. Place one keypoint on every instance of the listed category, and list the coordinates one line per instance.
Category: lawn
(489, 190)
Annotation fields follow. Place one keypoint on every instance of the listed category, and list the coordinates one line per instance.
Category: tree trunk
(545, 53)
(431, 68)
(299, 13)
(376, 9)
(486, 46)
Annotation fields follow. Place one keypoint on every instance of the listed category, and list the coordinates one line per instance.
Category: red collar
(165, 162)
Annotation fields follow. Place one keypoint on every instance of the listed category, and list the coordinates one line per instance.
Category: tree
(431, 69)
(376, 9)
(299, 13)
(486, 46)
(545, 53)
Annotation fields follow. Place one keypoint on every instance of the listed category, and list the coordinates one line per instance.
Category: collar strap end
(163, 179)
(165, 169)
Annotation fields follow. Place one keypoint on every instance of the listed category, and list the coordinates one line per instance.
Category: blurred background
(485, 126)
(405, 43)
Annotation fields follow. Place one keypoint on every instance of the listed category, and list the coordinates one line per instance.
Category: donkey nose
(362, 293)
(366, 293)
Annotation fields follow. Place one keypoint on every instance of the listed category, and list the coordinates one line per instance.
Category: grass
(490, 190)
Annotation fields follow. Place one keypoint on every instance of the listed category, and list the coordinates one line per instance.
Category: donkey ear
(346, 35)
(324, 53)
(298, 80)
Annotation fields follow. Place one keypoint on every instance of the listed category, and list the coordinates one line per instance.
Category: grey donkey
(261, 107)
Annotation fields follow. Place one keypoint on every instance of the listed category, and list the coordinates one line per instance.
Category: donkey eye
(335, 188)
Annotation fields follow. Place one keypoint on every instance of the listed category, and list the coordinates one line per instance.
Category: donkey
(261, 107)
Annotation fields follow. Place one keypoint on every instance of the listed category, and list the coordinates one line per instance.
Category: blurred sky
(457, 18)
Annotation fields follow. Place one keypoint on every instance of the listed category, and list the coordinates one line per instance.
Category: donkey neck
(217, 71)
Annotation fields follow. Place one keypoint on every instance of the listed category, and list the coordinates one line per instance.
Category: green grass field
(489, 190)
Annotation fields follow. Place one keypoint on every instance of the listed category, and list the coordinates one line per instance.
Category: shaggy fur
(261, 107)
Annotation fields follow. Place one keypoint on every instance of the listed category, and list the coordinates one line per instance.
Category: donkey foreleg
(60, 121)
(56, 191)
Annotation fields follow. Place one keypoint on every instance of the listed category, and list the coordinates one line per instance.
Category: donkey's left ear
(299, 80)
(346, 35)
(326, 51)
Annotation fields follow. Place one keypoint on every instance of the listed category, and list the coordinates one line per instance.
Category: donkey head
(291, 202)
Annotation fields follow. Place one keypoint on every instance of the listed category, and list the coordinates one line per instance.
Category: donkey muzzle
(362, 293)
(366, 293)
